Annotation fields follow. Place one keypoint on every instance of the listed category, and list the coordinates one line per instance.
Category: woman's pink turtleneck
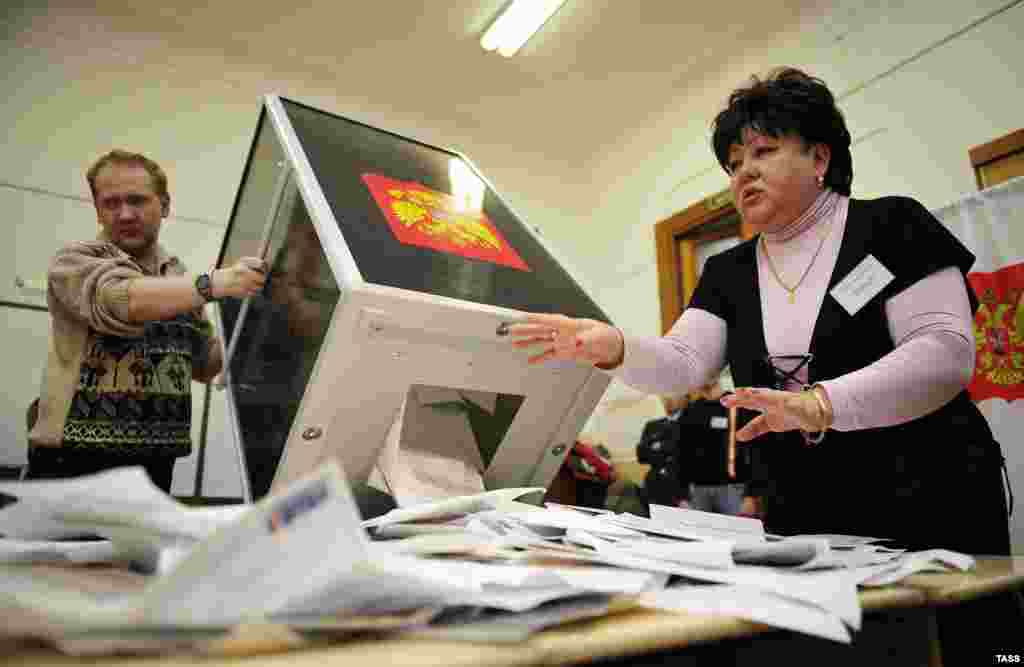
(930, 323)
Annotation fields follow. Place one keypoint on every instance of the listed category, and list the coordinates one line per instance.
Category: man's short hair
(119, 156)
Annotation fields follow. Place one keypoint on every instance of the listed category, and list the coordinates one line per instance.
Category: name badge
(719, 422)
(861, 284)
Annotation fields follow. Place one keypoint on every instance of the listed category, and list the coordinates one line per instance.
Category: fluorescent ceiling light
(521, 19)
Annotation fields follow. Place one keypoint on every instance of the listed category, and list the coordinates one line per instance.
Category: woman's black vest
(931, 482)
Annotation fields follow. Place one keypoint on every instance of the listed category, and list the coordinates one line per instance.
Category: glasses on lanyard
(785, 369)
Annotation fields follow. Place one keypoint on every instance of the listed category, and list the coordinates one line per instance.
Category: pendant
(792, 297)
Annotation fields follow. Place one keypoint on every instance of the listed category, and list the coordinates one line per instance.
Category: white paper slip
(451, 506)
(513, 587)
(684, 518)
(749, 603)
(478, 625)
(291, 544)
(841, 541)
(861, 284)
(497, 526)
(575, 536)
(932, 560)
(567, 519)
(48, 600)
(716, 554)
(465, 543)
(832, 590)
(47, 551)
(384, 584)
(179, 524)
(128, 488)
(850, 558)
(653, 527)
(585, 510)
(122, 504)
(403, 530)
(29, 520)
(608, 557)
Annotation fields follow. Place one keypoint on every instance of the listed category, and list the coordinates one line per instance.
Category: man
(708, 470)
(707, 431)
(127, 335)
(659, 447)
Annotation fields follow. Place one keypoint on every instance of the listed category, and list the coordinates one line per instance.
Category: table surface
(626, 632)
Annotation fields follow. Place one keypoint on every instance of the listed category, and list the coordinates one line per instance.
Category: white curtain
(991, 224)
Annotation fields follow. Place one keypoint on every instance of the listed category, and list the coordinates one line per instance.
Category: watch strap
(204, 286)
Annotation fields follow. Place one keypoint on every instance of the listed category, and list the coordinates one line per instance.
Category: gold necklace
(778, 279)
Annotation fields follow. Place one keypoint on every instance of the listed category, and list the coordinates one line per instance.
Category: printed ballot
(303, 557)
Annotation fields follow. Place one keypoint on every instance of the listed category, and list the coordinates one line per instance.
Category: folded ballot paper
(119, 501)
(303, 558)
(300, 553)
(806, 583)
(247, 561)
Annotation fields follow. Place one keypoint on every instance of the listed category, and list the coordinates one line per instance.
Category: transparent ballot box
(392, 265)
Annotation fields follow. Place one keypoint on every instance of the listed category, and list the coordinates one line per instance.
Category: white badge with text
(720, 422)
(861, 284)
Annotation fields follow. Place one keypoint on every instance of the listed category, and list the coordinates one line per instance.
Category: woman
(847, 325)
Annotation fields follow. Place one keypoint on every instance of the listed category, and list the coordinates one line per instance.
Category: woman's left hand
(780, 411)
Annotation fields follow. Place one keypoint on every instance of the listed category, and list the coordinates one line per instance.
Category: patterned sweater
(110, 384)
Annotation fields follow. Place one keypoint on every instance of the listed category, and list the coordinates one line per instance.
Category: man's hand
(165, 297)
(243, 278)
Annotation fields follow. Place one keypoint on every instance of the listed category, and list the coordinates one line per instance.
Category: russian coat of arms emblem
(999, 334)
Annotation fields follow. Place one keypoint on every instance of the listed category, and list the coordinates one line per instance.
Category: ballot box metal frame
(382, 339)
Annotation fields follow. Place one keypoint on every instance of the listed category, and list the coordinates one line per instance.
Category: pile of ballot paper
(485, 566)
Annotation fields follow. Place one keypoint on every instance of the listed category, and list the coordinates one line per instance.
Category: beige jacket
(88, 298)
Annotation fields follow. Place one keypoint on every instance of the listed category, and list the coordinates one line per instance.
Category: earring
(821, 180)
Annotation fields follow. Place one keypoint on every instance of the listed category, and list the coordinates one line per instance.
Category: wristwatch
(205, 287)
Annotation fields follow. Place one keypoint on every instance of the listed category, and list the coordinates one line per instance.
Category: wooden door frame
(992, 152)
(676, 239)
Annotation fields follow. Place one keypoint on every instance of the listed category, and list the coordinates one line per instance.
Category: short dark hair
(787, 102)
(118, 156)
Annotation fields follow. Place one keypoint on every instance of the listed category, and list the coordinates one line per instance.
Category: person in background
(716, 470)
(660, 448)
(591, 465)
(128, 334)
(847, 325)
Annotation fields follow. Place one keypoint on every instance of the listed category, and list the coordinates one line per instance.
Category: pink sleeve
(932, 327)
(691, 354)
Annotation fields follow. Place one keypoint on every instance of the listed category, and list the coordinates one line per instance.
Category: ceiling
(596, 70)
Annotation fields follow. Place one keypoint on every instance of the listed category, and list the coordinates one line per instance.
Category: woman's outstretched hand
(568, 338)
(781, 410)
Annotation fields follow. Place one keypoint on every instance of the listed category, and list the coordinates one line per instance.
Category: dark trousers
(58, 463)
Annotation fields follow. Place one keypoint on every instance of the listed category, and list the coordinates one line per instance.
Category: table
(898, 627)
